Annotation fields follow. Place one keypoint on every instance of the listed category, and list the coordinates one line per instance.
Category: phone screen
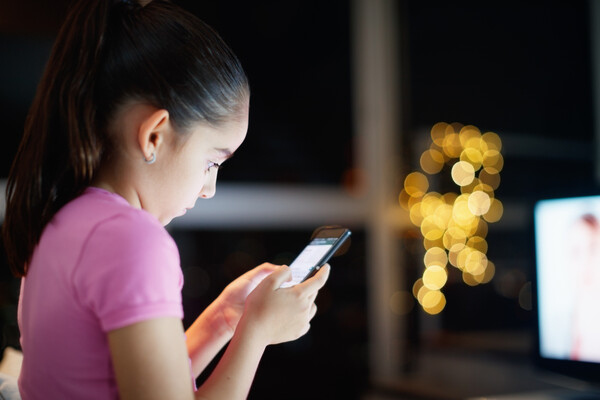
(309, 258)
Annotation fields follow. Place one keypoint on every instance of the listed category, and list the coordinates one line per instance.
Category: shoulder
(103, 218)
(132, 239)
(100, 226)
(128, 268)
(130, 227)
(121, 243)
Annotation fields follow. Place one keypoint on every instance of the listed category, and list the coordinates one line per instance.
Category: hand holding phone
(325, 243)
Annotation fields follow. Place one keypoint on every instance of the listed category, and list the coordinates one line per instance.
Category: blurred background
(347, 98)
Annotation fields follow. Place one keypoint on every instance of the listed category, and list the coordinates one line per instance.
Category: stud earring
(151, 160)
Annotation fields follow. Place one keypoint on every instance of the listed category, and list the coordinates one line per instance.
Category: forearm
(206, 337)
(233, 375)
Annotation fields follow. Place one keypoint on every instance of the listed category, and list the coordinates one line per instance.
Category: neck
(109, 181)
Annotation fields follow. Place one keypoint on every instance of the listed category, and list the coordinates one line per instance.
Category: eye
(213, 165)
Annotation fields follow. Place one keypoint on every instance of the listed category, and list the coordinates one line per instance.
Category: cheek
(183, 180)
(200, 177)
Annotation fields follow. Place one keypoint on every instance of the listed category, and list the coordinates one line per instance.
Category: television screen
(567, 244)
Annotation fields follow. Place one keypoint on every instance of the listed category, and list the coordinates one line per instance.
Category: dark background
(519, 68)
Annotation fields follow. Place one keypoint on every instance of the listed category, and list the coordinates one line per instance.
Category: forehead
(223, 139)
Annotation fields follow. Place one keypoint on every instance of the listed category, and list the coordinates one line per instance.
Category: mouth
(185, 210)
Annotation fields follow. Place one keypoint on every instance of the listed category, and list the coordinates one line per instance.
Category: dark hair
(107, 53)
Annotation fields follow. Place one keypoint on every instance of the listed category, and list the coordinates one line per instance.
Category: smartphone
(326, 241)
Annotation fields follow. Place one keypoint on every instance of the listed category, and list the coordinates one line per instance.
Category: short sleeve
(129, 271)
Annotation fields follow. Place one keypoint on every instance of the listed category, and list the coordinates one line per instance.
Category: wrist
(251, 331)
(217, 321)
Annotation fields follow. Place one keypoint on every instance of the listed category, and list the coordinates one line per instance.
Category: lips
(187, 209)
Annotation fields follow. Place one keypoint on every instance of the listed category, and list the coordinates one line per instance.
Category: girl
(137, 108)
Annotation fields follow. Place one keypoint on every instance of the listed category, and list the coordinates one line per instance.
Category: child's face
(189, 170)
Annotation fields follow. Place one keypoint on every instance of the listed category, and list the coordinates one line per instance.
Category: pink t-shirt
(100, 265)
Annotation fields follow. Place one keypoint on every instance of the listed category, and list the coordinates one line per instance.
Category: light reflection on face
(190, 169)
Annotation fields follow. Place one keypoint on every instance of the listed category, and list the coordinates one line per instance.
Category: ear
(152, 132)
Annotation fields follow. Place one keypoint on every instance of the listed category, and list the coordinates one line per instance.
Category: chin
(166, 220)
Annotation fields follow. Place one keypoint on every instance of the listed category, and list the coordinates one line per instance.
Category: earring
(151, 160)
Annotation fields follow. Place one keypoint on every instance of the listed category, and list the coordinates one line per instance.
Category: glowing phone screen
(308, 259)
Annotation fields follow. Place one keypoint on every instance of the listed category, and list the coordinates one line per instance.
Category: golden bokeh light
(460, 212)
(430, 204)
(470, 187)
(482, 187)
(454, 127)
(433, 302)
(461, 258)
(438, 132)
(482, 229)
(416, 184)
(422, 292)
(476, 262)
(493, 160)
(451, 145)
(479, 203)
(416, 287)
(478, 243)
(401, 302)
(491, 141)
(413, 200)
(432, 161)
(490, 177)
(473, 156)
(449, 198)
(453, 225)
(467, 134)
(454, 235)
(473, 143)
(489, 273)
(432, 227)
(435, 256)
(416, 217)
(404, 199)
(463, 173)
(469, 279)
(495, 212)
(435, 277)
(430, 244)
(453, 253)
(431, 298)
(468, 224)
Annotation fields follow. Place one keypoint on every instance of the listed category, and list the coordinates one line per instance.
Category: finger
(317, 281)
(280, 275)
(313, 311)
(261, 271)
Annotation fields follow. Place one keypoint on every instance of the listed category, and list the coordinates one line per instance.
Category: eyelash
(213, 164)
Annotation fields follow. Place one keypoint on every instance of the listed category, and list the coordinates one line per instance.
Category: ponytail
(105, 54)
(60, 148)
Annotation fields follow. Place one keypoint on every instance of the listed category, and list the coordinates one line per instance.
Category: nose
(210, 187)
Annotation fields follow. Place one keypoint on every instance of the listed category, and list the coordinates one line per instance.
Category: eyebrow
(226, 153)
